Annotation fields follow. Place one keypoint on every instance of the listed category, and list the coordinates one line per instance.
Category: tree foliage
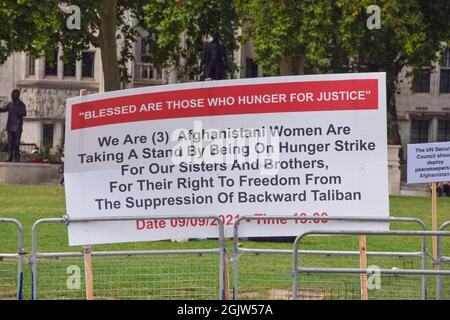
(332, 36)
(274, 30)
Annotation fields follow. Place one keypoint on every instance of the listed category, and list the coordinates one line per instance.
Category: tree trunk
(108, 45)
(293, 66)
(286, 68)
(299, 65)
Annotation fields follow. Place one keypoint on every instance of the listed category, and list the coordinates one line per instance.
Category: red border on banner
(129, 108)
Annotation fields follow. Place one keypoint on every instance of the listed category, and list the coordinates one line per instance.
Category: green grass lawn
(195, 276)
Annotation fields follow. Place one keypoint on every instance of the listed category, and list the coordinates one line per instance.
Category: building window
(419, 131)
(147, 72)
(31, 66)
(421, 81)
(87, 62)
(70, 68)
(444, 86)
(443, 130)
(51, 65)
(251, 68)
(145, 48)
(47, 134)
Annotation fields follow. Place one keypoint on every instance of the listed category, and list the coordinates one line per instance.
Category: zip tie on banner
(66, 219)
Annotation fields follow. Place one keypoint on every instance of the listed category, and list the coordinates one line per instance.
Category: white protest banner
(428, 162)
(300, 145)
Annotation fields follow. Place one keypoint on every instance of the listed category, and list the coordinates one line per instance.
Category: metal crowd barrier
(17, 275)
(150, 278)
(237, 252)
(442, 261)
(420, 272)
(292, 276)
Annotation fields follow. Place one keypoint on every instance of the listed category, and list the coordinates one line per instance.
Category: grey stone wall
(28, 173)
(394, 172)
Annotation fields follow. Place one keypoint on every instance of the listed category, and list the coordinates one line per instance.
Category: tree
(39, 28)
(411, 33)
(179, 29)
(332, 36)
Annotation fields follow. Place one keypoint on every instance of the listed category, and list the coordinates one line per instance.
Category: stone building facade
(423, 104)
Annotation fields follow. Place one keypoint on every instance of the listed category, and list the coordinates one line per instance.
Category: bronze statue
(16, 111)
(215, 60)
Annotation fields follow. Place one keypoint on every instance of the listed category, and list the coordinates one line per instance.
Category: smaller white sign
(429, 162)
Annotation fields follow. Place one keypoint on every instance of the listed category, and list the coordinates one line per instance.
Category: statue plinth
(28, 173)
